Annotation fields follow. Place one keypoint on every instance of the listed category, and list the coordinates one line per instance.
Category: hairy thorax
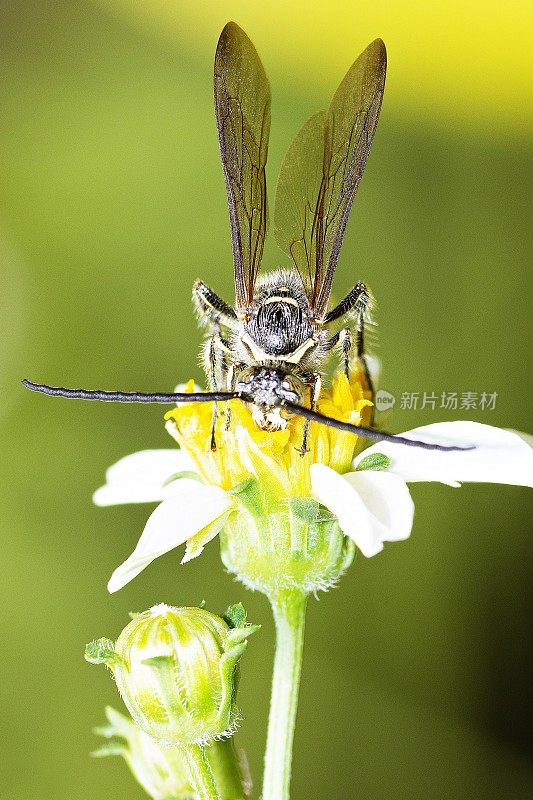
(279, 330)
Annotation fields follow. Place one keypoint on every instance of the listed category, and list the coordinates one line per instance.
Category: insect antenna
(130, 397)
(368, 433)
(210, 397)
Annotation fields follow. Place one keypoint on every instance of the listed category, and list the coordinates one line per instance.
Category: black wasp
(269, 349)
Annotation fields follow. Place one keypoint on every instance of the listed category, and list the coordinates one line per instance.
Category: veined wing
(242, 107)
(321, 173)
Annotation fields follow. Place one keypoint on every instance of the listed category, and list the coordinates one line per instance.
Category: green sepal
(111, 748)
(306, 509)
(249, 494)
(235, 616)
(325, 515)
(185, 473)
(101, 651)
(159, 662)
(108, 731)
(375, 461)
(197, 542)
(240, 630)
(237, 636)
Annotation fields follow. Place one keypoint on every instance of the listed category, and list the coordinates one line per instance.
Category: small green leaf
(235, 616)
(375, 461)
(186, 473)
(101, 651)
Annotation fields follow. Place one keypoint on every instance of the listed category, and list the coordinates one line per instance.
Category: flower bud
(175, 669)
(161, 771)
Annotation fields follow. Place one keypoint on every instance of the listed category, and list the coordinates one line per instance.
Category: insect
(270, 348)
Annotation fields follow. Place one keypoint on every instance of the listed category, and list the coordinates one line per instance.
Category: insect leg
(316, 387)
(211, 358)
(347, 342)
(344, 337)
(212, 310)
(215, 361)
(230, 381)
(358, 300)
(360, 349)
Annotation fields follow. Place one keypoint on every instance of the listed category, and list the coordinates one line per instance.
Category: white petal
(526, 437)
(371, 508)
(140, 477)
(174, 521)
(500, 456)
(387, 498)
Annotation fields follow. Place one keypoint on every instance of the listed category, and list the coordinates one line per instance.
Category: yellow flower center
(273, 457)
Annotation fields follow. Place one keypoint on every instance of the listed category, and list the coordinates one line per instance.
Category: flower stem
(289, 615)
(200, 773)
(230, 770)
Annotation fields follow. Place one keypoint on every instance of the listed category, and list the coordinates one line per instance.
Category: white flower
(189, 507)
(375, 506)
(371, 506)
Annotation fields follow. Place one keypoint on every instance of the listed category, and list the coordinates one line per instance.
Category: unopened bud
(176, 671)
(160, 770)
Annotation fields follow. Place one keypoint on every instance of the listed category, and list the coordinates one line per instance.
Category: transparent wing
(242, 108)
(321, 173)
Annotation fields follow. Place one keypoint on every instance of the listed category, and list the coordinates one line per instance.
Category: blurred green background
(417, 671)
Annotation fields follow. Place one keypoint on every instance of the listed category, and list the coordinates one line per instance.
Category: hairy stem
(289, 615)
(200, 773)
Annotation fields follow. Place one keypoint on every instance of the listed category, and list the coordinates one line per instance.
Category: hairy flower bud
(175, 669)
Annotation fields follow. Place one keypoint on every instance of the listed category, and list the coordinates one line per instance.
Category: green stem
(289, 615)
(200, 773)
(228, 770)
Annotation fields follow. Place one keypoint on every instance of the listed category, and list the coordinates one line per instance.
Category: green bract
(287, 543)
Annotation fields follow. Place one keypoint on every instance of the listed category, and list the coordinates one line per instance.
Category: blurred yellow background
(468, 60)
(417, 675)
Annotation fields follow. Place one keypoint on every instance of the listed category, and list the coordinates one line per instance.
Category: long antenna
(130, 397)
(368, 433)
(210, 397)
